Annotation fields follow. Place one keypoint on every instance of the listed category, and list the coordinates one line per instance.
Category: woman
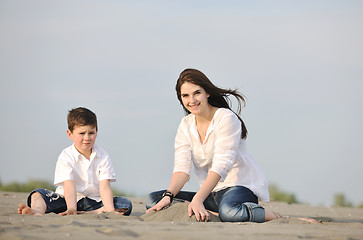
(213, 137)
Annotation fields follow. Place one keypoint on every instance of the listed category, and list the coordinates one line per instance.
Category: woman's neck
(207, 116)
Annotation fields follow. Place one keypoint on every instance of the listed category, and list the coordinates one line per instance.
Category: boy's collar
(76, 154)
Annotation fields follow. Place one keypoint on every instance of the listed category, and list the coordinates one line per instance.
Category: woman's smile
(194, 98)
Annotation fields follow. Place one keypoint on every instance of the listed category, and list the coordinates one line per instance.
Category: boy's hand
(69, 212)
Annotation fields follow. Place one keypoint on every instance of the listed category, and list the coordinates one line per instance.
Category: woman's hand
(165, 201)
(197, 207)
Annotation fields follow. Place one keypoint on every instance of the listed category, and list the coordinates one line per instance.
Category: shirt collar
(95, 152)
(209, 130)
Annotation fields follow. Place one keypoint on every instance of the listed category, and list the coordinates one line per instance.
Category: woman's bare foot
(25, 210)
(270, 215)
(310, 220)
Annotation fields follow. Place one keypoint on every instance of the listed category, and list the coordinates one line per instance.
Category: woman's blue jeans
(234, 204)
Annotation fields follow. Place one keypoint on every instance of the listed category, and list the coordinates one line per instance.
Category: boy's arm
(70, 195)
(106, 195)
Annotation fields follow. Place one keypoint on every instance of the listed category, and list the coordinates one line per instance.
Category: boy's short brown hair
(81, 117)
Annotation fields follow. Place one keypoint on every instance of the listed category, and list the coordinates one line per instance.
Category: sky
(299, 63)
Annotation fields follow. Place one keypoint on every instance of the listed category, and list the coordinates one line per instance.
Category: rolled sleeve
(223, 162)
(183, 155)
(63, 171)
(228, 137)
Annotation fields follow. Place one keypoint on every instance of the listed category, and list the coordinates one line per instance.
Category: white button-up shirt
(223, 151)
(86, 174)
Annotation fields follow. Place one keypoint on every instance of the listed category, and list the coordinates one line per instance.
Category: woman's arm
(70, 194)
(176, 184)
(227, 142)
(196, 206)
(106, 195)
(182, 165)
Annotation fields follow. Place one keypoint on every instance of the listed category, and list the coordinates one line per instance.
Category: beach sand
(174, 223)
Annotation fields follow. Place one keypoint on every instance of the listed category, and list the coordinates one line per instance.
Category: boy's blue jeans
(57, 204)
(234, 204)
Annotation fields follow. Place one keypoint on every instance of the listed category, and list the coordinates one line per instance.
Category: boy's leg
(42, 201)
(121, 204)
(38, 206)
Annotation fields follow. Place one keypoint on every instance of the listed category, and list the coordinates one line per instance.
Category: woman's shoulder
(226, 118)
(224, 112)
(100, 152)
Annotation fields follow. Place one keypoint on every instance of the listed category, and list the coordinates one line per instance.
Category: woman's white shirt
(223, 151)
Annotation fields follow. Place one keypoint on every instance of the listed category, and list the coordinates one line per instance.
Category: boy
(83, 174)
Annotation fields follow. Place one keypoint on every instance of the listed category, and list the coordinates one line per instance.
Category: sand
(174, 223)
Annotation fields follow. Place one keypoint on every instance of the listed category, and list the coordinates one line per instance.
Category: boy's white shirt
(86, 174)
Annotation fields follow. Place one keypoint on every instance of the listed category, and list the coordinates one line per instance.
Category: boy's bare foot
(120, 211)
(68, 212)
(25, 210)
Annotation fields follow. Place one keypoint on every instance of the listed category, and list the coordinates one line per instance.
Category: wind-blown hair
(219, 97)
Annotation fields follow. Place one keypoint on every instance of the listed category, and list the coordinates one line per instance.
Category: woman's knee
(149, 201)
(243, 212)
(153, 198)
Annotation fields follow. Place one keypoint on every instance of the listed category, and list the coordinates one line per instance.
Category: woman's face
(194, 98)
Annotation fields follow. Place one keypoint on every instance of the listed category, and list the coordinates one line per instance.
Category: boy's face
(84, 138)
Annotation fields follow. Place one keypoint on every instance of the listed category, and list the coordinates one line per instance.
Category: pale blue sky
(300, 64)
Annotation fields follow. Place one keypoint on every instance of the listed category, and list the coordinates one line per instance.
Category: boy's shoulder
(99, 151)
(69, 154)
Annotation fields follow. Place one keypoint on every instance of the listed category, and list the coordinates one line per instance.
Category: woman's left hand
(197, 207)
